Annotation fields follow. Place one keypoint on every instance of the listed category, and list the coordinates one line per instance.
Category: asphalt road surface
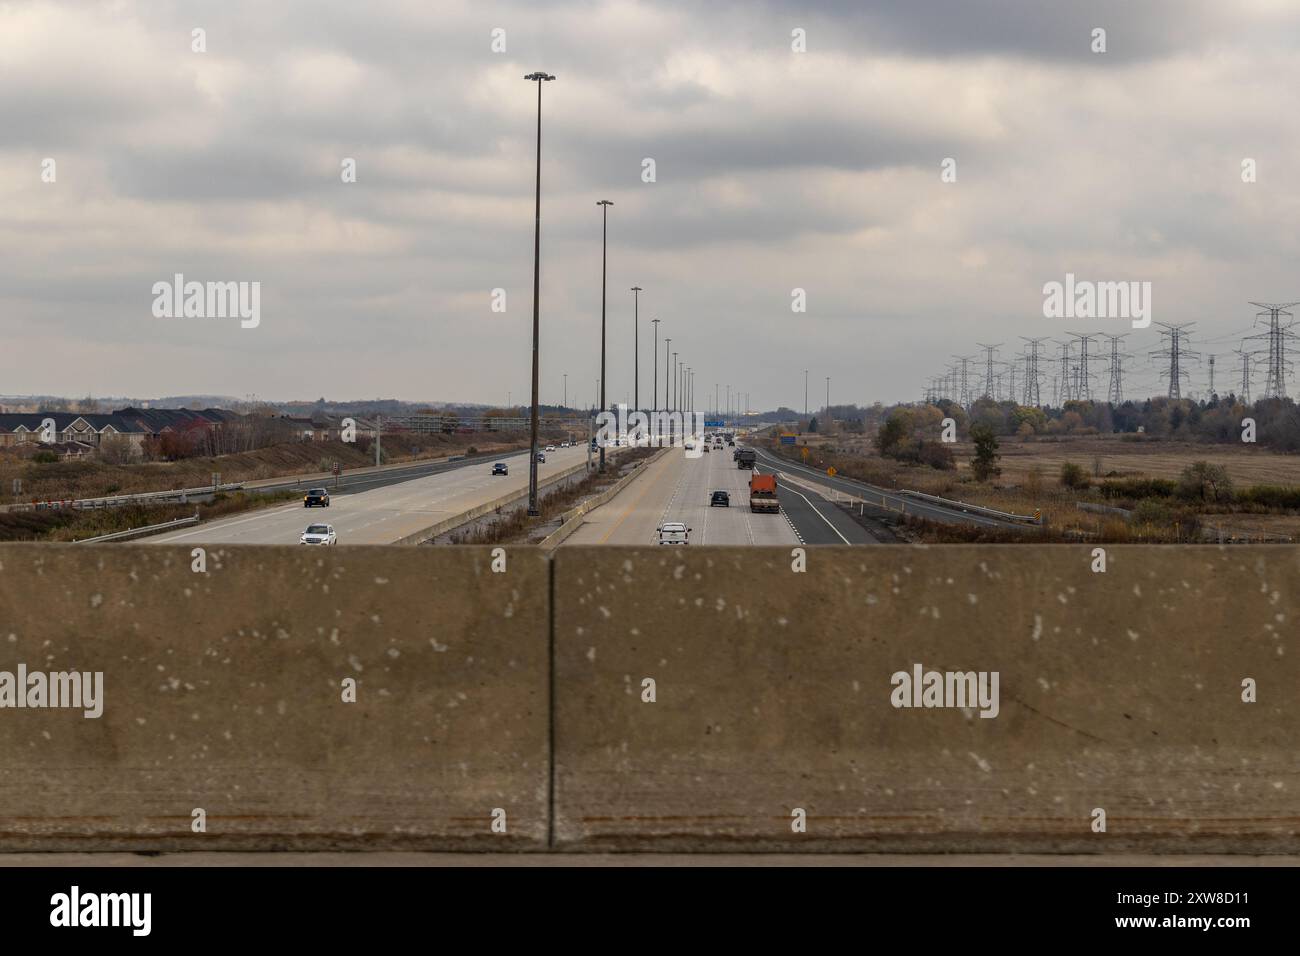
(380, 515)
(677, 488)
(873, 495)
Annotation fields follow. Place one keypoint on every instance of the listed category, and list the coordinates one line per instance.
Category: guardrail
(114, 501)
(139, 532)
(976, 509)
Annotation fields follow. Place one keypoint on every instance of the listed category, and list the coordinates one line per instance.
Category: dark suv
(500, 468)
(720, 499)
(316, 496)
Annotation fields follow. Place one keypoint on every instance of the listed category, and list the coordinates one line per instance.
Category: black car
(316, 496)
(720, 499)
(501, 468)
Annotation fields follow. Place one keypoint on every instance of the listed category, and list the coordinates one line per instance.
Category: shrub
(1073, 476)
(1271, 496)
(937, 455)
(984, 465)
(1138, 488)
(1204, 482)
(45, 458)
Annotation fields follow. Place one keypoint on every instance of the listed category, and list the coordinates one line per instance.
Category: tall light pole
(538, 78)
(805, 393)
(673, 406)
(604, 205)
(667, 405)
(636, 337)
(566, 389)
(715, 399)
(828, 396)
(654, 402)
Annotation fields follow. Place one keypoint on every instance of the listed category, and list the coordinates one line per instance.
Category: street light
(668, 407)
(676, 380)
(636, 336)
(604, 219)
(539, 78)
(654, 402)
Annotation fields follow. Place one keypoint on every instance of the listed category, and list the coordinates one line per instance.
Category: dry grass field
(1030, 478)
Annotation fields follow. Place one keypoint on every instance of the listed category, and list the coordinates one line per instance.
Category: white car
(674, 532)
(319, 534)
(550, 448)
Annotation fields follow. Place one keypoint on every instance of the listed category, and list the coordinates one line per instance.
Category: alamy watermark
(72, 689)
(652, 429)
(208, 300)
(1084, 299)
(959, 689)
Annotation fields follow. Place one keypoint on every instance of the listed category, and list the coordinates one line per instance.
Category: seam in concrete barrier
(550, 704)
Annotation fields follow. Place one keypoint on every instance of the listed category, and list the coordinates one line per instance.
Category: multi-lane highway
(677, 488)
(890, 500)
(384, 514)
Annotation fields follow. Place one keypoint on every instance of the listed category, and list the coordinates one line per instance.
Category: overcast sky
(775, 170)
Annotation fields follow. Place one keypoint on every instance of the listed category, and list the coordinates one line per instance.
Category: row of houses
(76, 434)
(73, 434)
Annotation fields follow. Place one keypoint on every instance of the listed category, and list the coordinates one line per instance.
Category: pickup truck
(762, 494)
(674, 532)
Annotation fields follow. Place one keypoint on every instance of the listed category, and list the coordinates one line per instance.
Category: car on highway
(690, 446)
(720, 499)
(550, 448)
(541, 457)
(316, 497)
(706, 447)
(501, 468)
(674, 532)
(731, 443)
(319, 534)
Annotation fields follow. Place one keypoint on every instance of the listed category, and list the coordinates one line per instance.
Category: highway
(816, 519)
(383, 514)
(677, 488)
(879, 496)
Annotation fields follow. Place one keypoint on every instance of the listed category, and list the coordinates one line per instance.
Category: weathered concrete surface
(223, 691)
(1119, 690)
(425, 860)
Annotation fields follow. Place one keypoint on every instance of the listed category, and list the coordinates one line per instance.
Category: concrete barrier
(455, 521)
(223, 691)
(774, 692)
(1119, 692)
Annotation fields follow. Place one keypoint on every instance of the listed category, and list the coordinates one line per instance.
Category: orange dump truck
(762, 493)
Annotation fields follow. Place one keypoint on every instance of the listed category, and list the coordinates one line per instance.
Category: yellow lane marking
(628, 510)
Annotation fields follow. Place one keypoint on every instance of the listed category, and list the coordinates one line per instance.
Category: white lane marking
(818, 513)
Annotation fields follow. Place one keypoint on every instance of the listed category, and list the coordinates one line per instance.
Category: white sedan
(319, 534)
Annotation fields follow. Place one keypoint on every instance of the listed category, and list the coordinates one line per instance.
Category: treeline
(1218, 420)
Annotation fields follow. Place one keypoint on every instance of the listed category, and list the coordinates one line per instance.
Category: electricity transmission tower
(964, 397)
(1083, 390)
(988, 369)
(1176, 353)
(1245, 375)
(1063, 380)
(1279, 334)
(1032, 377)
(1115, 390)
